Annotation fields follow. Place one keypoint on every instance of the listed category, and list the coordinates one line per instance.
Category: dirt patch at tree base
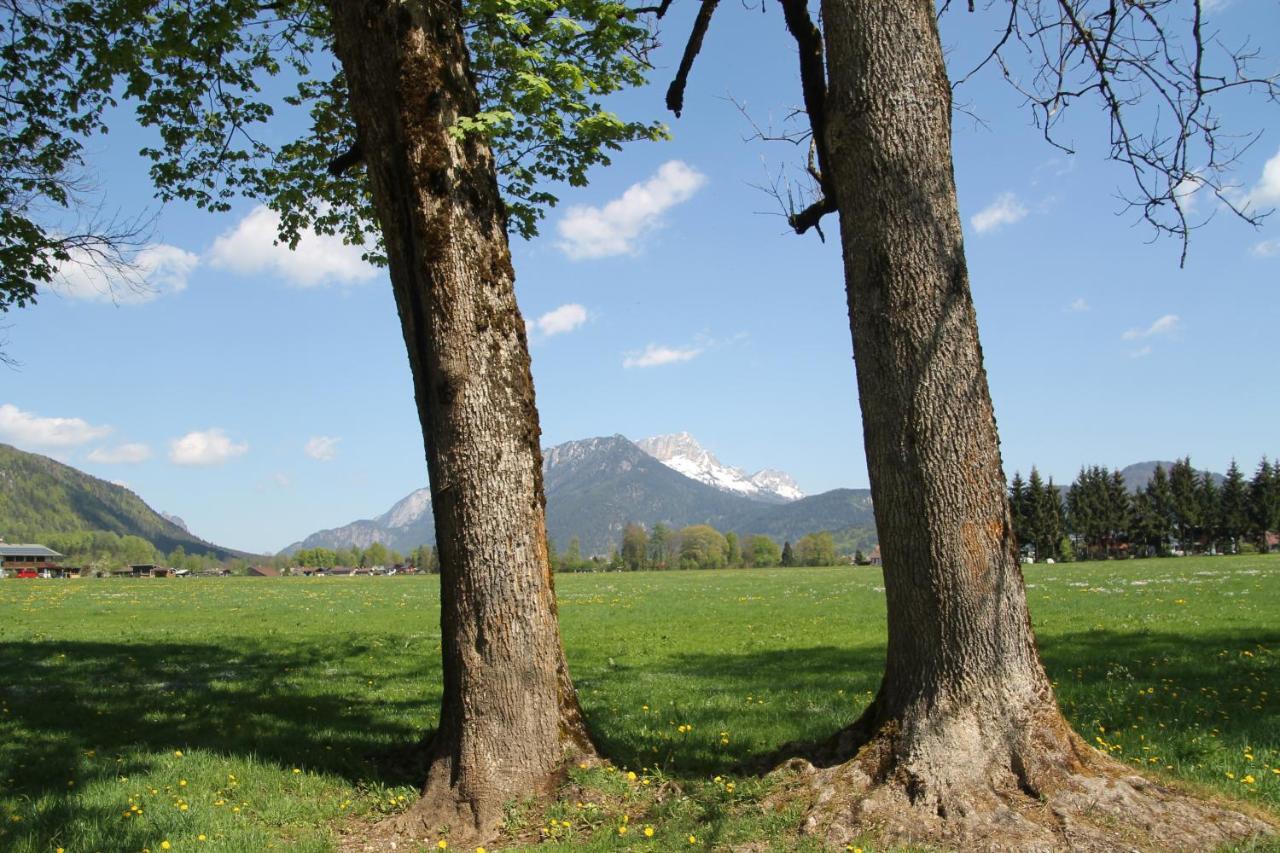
(1100, 808)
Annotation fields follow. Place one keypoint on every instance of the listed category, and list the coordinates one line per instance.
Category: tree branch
(675, 92)
(813, 81)
(346, 160)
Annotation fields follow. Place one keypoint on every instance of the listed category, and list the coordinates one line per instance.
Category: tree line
(1179, 511)
(697, 546)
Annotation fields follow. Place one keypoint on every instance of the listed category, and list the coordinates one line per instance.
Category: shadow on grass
(1185, 684)
(283, 703)
(296, 704)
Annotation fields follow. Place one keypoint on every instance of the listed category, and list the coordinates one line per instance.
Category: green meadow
(250, 714)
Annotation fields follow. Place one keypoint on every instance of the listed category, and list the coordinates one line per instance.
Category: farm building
(262, 572)
(29, 560)
(875, 559)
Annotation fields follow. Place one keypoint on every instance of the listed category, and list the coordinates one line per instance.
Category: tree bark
(509, 717)
(965, 741)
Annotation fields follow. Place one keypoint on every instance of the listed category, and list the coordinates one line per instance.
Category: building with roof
(29, 560)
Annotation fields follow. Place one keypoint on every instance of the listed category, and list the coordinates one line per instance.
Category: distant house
(874, 557)
(342, 571)
(263, 572)
(29, 561)
(1273, 540)
(147, 570)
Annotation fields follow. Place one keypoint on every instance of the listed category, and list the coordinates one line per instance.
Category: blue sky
(262, 395)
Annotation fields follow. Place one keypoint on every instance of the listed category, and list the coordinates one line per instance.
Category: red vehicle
(26, 573)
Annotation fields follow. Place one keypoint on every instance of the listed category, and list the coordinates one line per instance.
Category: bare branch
(1155, 70)
(675, 92)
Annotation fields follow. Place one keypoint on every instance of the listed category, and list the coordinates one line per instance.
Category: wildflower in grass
(1230, 775)
(165, 845)
(1248, 779)
(631, 776)
(648, 832)
(177, 753)
(693, 839)
(728, 787)
(442, 844)
(622, 830)
(202, 837)
(182, 783)
(296, 770)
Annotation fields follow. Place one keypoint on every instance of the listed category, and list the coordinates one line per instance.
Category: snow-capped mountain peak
(681, 452)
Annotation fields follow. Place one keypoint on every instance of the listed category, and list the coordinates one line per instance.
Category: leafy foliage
(214, 80)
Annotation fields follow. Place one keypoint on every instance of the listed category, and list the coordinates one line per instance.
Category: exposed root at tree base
(443, 813)
(1089, 803)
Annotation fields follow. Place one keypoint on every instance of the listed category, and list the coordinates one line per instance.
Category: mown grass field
(249, 714)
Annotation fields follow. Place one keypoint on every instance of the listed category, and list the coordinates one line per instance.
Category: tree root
(1049, 791)
(445, 812)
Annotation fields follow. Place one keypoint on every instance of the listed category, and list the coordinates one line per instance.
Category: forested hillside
(39, 496)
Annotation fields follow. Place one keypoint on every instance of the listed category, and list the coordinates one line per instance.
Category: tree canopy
(208, 78)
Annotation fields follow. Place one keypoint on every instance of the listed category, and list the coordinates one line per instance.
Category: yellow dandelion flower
(177, 753)
(622, 830)
(631, 775)
(442, 844)
(202, 837)
(1248, 779)
(182, 783)
(296, 770)
(693, 839)
(165, 845)
(648, 832)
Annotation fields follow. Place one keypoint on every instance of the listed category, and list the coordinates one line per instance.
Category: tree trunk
(509, 717)
(965, 739)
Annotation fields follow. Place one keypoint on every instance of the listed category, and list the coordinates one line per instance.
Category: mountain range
(41, 495)
(596, 486)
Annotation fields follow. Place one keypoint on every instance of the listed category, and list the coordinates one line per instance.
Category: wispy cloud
(1141, 352)
(152, 272)
(208, 447)
(615, 229)
(322, 447)
(655, 355)
(1267, 248)
(566, 318)
(1163, 326)
(1005, 210)
(124, 454)
(26, 429)
(1078, 305)
(250, 248)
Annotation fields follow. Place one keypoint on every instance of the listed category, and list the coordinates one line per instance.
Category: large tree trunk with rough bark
(509, 718)
(964, 742)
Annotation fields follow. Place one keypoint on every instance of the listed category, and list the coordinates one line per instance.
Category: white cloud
(152, 272)
(1163, 326)
(281, 479)
(566, 318)
(210, 447)
(29, 430)
(322, 447)
(1079, 305)
(1267, 192)
(1267, 248)
(1005, 210)
(124, 454)
(1186, 193)
(615, 229)
(655, 355)
(251, 249)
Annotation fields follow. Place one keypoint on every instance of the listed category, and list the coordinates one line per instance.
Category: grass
(268, 713)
